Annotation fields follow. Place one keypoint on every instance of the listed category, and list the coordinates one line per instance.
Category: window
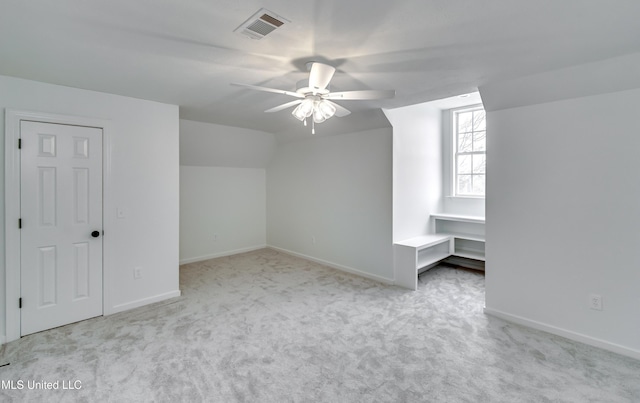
(469, 152)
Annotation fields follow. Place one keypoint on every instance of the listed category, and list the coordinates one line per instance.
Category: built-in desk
(467, 233)
(456, 235)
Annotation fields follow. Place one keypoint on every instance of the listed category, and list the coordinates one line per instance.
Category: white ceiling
(185, 52)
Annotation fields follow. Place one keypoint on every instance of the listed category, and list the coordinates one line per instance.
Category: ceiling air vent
(260, 24)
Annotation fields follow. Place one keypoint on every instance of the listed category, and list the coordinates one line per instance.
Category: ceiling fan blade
(266, 89)
(320, 75)
(361, 95)
(340, 110)
(284, 106)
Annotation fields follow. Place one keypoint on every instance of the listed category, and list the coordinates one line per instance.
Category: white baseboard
(592, 341)
(142, 302)
(337, 266)
(221, 254)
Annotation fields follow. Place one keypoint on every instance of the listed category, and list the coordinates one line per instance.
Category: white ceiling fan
(315, 100)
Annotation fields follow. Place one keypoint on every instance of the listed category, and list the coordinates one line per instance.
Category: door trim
(12, 207)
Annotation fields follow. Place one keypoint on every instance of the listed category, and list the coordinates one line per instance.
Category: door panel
(47, 284)
(81, 270)
(61, 204)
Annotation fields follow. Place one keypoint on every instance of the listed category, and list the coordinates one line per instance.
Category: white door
(61, 214)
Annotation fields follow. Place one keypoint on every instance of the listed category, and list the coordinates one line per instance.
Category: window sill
(467, 197)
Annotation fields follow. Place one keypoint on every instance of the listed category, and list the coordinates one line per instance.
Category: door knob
(95, 234)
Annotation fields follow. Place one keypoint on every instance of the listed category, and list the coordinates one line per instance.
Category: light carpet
(268, 327)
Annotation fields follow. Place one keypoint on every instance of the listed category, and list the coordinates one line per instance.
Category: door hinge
(19, 223)
(20, 303)
(19, 143)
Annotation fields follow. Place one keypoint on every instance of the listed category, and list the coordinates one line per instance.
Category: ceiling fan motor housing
(302, 87)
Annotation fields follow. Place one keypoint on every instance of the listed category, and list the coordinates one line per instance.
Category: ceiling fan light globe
(298, 114)
(307, 107)
(318, 117)
(326, 109)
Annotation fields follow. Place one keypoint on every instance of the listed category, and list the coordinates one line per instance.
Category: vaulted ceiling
(186, 53)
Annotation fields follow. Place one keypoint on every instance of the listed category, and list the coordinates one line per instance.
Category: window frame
(453, 136)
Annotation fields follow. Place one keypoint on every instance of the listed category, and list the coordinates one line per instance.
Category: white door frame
(12, 206)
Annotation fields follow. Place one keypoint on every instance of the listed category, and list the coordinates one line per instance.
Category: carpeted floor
(267, 327)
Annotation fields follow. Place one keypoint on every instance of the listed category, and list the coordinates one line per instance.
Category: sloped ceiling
(185, 52)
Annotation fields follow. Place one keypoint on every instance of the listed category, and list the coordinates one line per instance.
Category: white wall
(222, 189)
(222, 211)
(207, 144)
(143, 181)
(562, 210)
(417, 169)
(336, 189)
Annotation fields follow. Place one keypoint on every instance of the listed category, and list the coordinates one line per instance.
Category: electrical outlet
(595, 302)
(137, 273)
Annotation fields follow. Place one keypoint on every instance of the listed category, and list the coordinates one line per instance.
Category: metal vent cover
(260, 24)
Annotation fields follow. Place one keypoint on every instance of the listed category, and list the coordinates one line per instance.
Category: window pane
(478, 184)
(470, 137)
(465, 142)
(464, 164)
(464, 184)
(479, 121)
(479, 164)
(480, 141)
(465, 122)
